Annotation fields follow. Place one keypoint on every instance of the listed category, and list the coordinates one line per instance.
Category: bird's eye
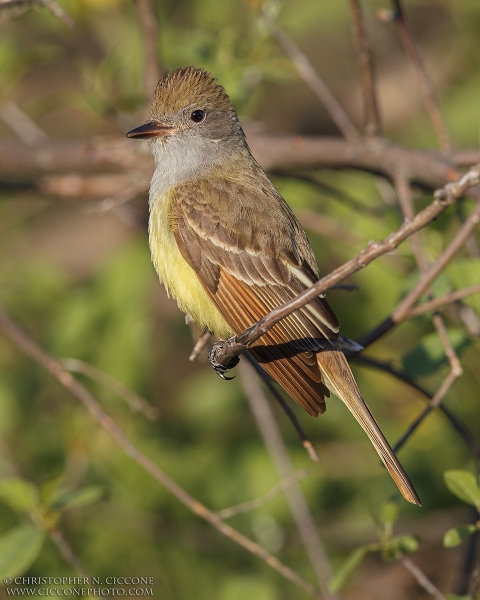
(198, 116)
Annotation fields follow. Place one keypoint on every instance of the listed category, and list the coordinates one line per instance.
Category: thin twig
(452, 357)
(274, 492)
(474, 587)
(15, 8)
(31, 349)
(422, 579)
(67, 553)
(135, 402)
(224, 352)
(443, 301)
(406, 202)
(459, 427)
(397, 15)
(148, 22)
(200, 345)
(326, 226)
(58, 11)
(311, 78)
(267, 380)
(303, 518)
(273, 151)
(122, 197)
(22, 125)
(469, 318)
(400, 312)
(434, 403)
(365, 63)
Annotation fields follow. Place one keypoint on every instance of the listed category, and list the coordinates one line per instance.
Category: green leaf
(19, 547)
(19, 494)
(429, 356)
(389, 513)
(464, 485)
(350, 563)
(455, 536)
(83, 497)
(49, 490)
(406, 543)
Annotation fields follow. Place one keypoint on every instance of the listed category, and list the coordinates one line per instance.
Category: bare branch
(14, 8)
(311, 78)
(326, 226)
(459, 427)
(22, 125)
(67, 553)
(274, 492)
(53, 366)
(440, 302)
(422, 579)
(267, 380)
(400, 312)
(134, 401)
(282, 151)
(406, 202)
(365, 63)
(58, 11)
(152, 69)
(223, 352)
(434, 403)
(276, 448)
(426, 85)
(200, 346)
(447, 345)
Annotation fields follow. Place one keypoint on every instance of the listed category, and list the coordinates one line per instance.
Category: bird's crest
(188, 86)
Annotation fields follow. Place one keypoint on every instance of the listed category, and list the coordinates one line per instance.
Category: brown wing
(251, 255)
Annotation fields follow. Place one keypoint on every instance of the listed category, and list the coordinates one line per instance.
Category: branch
(459, 427)
(134, 401)
(15, 8)
(451, 190)
(283, 151)
(224, 352)
(426, 85)
(422, 579)
(437, 303)
(365, 63)
(274, 492)
(406, 203)
(298, 507)
(311, 78)
(400, 312)
(152, 70)
(53, 366)
(267, 380)
(67, 553)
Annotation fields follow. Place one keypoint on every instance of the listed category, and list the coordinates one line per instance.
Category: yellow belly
(178, 277)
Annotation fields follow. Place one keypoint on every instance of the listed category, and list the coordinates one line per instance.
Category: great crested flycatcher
(228, 248)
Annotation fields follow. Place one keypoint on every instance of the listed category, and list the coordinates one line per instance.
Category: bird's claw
(219, 368)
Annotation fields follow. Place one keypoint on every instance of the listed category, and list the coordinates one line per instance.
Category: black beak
(151, 129)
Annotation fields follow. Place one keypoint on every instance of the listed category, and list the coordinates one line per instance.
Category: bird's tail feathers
(339, 379)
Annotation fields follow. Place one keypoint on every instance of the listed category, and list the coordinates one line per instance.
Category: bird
(229, 249)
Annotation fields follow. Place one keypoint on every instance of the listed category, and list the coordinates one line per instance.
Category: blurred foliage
(82, 285)
(465, 486)
(390, 547)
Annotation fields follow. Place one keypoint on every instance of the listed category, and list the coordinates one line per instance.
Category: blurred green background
(82, 284)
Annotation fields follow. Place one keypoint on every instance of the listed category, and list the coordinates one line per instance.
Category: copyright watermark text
(79, 586)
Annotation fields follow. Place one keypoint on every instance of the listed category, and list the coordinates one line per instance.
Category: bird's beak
(151, 129)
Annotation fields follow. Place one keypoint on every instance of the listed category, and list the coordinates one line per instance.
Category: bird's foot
(221, 369)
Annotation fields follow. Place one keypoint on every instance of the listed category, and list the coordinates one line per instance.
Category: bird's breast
(178, 277)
